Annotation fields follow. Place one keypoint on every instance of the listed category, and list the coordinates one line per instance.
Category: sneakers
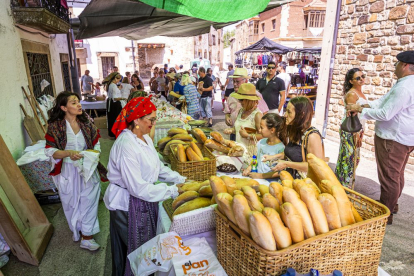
(89, 244)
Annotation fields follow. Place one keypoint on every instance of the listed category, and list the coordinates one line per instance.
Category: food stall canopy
(175, 18)
(266, 45)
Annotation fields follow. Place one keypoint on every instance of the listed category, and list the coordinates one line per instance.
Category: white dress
(125, 91)
(113, 93)
(248, 122)
(79, 200)
(133, 168)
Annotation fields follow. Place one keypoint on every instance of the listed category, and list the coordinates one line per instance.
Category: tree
(226, 37)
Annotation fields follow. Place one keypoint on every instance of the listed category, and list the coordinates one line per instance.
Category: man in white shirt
(285, 77)
(86, 83)
(394, 130)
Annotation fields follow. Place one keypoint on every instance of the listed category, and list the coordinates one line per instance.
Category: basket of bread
(174, 136)
(307, 223)
(218, 143)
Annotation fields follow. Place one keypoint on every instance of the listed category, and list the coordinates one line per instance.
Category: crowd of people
(253, 113)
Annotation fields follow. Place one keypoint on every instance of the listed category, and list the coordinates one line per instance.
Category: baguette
(241, 210)
(287, 183)
(330, 207)
(191, 155)
(280, 232)
(293, 221)
(238, 192)
(175, 131)
(309, 181)
(230, 184)
(290, 195)
(199, 135)
(167, 148)
(217, 136)
(236, 151)
(344, 206)
(225, 205)
(284, 175)
(271, 202)
(183, 198)
(276, 190)
(320, 222)
(214, 145)
(191, 186)
(252, 198)
(183, 137)
(197, 203)
(196, 150)
(213, 200)
(181, 154)
(162, 142)
(241, 182)
(263, 189)
(217, 185)
(229, 143)
(206, 191)
(357, 216)
(261, 231)
(319, 170)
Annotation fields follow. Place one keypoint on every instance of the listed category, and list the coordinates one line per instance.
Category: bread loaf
(162, 142)
(183, 137)
(344, 205)
(238, 192)
(252, 198)
(241, 210)
(296, 184)
(230, 184)
(320, 223)
(213, 200)
(199, 135)
(284, 175)
(196, 149)
(357, 216)
(276, 190)
(183, 198)
(197, 203)
(206, 191)
(241, 182)
(217, 136)
(214, 145)
(191, 155)
(229, 143)
(293, 221)
(236, 151)
(217, 185)
(287, 183)
(319, 170)
(309, 181)
(263, 189)
(175, 131)
(192, 186)
(261, 231)
(280, 232)
(290, 195)
(225, 205)
(330, 207)
(181, 153)
(167, 148)
(270, 201)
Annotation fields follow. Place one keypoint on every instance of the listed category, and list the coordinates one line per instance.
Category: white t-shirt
(230, 84)
(126, 90)
(286, 78)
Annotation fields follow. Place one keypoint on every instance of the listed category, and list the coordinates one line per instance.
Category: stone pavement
(63, 257)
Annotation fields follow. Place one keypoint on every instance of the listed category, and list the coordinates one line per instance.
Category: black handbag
(351, 124)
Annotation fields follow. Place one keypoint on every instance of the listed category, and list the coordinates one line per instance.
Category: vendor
(69, 132)
(113, 103)
(132, 196)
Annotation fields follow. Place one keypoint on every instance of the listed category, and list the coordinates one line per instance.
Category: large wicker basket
(194, 170)
(354, 249)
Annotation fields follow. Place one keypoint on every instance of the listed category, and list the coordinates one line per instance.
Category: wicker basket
(166, 157)
(194, 170)
(193, 222)
(354, 249)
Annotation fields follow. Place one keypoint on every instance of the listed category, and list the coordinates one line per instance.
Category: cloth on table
(4, 252)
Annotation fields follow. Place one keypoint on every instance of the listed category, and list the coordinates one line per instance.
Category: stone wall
(371, 33)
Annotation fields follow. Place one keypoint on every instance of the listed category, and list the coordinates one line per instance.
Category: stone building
(371, 33)
(210, 46)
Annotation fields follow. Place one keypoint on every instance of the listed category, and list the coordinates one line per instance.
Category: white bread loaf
(293, 221)
(330, 207)
(241, 210)
(280, 232)
(276, 190)
(261, 231)
(320, 223)
(225, 205)
(252, 199)
(270, 201)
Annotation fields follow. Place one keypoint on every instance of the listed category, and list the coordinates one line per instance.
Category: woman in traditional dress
(113, 103)
(132, 197)
(351, 142)
(69, 132)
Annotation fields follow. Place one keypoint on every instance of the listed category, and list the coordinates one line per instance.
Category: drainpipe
(331, 66)
(73, 64)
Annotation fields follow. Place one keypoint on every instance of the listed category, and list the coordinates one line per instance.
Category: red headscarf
(134, 109)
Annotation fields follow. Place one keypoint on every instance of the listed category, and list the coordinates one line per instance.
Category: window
(256, 28)
(39, 71)
(273, 24)
(213, 37)
(263, 27)
(107, 64)
(314, 19)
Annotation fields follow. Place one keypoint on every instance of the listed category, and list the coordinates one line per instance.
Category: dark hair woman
(131, 197)
(299, 137)
(70, 137)
(113, 103)
(348, 158)
(137, 83)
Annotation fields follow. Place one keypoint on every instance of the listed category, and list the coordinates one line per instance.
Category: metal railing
(54, 6)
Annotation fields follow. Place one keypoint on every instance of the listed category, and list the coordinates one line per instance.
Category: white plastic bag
(201, 260)
(157, 254)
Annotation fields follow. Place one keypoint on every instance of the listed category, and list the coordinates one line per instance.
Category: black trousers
(118, 227)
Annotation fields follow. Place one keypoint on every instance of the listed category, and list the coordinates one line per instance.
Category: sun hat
(247, 91)
(240, 73)
(177, 75)
(170, 75)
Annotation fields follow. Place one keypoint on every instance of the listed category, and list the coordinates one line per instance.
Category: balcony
(48, 16)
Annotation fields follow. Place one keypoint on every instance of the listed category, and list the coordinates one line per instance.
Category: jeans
(205, 105)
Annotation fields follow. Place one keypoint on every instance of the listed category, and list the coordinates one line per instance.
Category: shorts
(228, 92)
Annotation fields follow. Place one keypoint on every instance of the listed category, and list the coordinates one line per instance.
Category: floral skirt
(346, 166)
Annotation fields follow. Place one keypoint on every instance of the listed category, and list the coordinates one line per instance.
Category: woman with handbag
(351, 141)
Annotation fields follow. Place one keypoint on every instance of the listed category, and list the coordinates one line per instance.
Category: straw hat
(247, 91)
(171, 75)
(240, 73)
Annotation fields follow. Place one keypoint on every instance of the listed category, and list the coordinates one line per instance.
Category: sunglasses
(359, 78)
(270, 67)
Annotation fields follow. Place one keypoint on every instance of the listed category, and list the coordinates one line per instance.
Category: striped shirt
(193, 99)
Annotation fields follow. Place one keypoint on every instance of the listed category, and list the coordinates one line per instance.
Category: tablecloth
(93, 105)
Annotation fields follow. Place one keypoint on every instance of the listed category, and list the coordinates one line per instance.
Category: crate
(101, 122)
(354, 249)
(194, 170)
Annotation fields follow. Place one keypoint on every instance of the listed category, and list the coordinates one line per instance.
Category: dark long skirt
(111, 115)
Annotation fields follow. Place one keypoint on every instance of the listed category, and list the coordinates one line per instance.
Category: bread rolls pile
(189, 152)
(174, 136)
(280, 215)
(225, 146)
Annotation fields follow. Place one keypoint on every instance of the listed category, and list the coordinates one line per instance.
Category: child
(270, 126)
(97, 88)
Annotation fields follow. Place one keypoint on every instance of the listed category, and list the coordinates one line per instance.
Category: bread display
(229, 143)
(196, 149)
(167, 148)
(241, 182)
(261, 230)
(199, 202)
(191, 186)
(217, 185)
(183, 137)
(192, 156)
(181, 153)
(241, 210)
(175, 131)
(287, 183)
(330, 208)
(252, 198)
(320, 223)
(284, 175)
(293, 221)
(206, 191)
(236, 151)
(230, 184)
(225, 205)
(217, 137)
(276, 190)
(271, 202)
(214, 145)
(183, 198)
(199, 135)
(280, 232)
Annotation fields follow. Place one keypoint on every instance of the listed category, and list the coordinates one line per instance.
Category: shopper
(126, 90)
(229, 87)
(191, 95)
(205, 89)
(113, 103)
(132, 196)
(271, 88)
(153, 84)
(270, 127)
(350, 144)
(137, 83)
(165, 69)
(162, 83)
(281, 69)
(213, 78)
(69, 132)
(86, 83)
(394, 136)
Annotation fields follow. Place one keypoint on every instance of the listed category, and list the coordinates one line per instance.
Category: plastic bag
(201, 260)
(157, 254)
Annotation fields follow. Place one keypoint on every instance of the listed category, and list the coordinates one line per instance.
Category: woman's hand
(74, 155)
(353, 109)
(243, 133)
(247, 171)
(281, 165)
(256, 175)
(228, 131)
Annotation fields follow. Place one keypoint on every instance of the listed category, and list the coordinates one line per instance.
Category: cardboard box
(100, 122)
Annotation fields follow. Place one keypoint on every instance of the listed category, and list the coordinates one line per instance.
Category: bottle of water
(254, 164)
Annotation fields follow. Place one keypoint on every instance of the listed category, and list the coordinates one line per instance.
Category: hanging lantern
(154, 46)
(149, 45)
(139, 46)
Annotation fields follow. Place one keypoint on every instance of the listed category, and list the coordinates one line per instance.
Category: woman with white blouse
(114, 101)
(69, 133)
(132, 196)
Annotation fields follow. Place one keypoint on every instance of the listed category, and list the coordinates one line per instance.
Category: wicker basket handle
(234, 233)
